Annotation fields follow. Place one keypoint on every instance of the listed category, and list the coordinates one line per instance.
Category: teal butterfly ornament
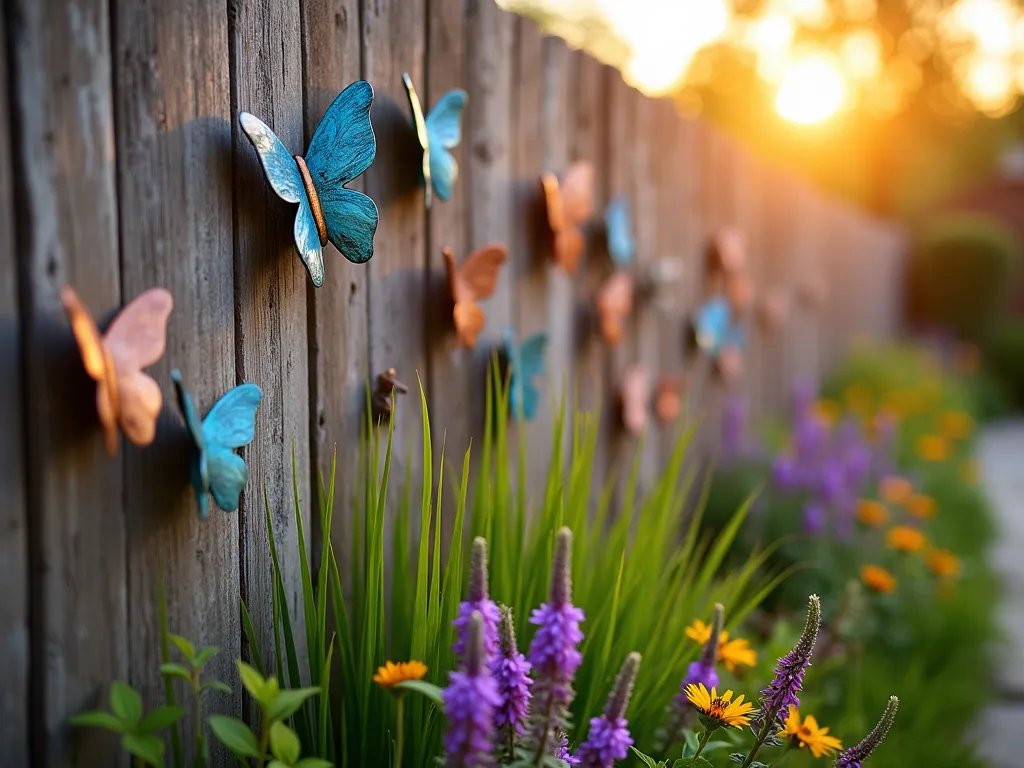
(438, 133)
(716, 334)
(619, 232)
(216, 469)
(524, 363)
(342, 148)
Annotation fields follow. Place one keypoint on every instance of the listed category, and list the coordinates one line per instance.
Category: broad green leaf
(205, 654)
(216, 685)
(431, 691)
(650, 762)
(253, 681)
(161, 717)
(176, 670)
(284, 743)
(146, 747)
(125, 702)
(100, 719)
(288, 701)
(692, 762)
(235, 735)
(187, 649)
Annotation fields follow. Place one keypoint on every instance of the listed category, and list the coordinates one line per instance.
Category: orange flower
(826, 411)
(858, 398)
(895, 490)
(877, 578)
(956, 425)
(392, 674)
(871, 512)
(921, 505)
(943, 563)
(932, 448)
(902, 538)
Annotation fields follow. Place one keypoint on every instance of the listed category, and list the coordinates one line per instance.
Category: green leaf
(187, 649)
(146, 747)
(204, 655)
(284, 744)
(216, 685)
(99, 719)
(253, 681)
(176, 670)
(314, 762)
(431, 691)
(287, 702)
(125, 702)
(235, 735)
(161, 717)
(692, 762)
(277, 764)
(650, 762)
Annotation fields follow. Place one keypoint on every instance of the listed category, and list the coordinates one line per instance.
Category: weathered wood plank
(67, 214)
(14, 636)
(747, 188)
(270, 302)
(173, 107)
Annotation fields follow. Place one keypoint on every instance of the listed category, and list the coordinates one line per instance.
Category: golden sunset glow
(813, 90)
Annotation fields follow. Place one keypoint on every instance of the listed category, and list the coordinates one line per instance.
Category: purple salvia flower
(785, 473)
(470, 701)
(608, 739)
(553, 652)
(560, 749)
(814, 519)
(703, 669)
(856, 755)
(510, 671)
(478, 600)
(782, 692)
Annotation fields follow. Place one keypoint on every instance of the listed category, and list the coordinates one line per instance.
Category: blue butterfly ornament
(713, 328)
(438, 133)
(525, 362)
(619, 232)
(343, 146)
(216, 468)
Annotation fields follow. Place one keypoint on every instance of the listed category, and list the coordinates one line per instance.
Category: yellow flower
(895, 489)
(932, 448)
(943, 563)
(903, 538)
(921, 505)
(871, 512)
(699, 632)
(808, 734)
(827, 411)
(858, 398)
(721, 710)
(877, 578)
(956, 425)
(736, 652)
(969, 471)
(392, 674)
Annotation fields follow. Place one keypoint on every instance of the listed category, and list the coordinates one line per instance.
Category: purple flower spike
(609, 739)
(478, 600)
(856, 755)
(510, 670)
(470, 701)
(782, 692)
(561, 750)
(814, 519)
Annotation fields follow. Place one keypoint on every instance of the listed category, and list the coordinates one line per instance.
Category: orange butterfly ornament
(668, 397)
(474, 281)
(614, 304)
(125, 396)
(633, 400)
(569, 203)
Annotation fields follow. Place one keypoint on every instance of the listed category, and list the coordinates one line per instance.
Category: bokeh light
(812, 91)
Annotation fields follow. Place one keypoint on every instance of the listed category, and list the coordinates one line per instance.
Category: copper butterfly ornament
(474, 281)
(125, 396)
(525, 363)
(342, 147)
(438, 133)
(614, 302)
(633, 396)
(569, 204)
(216, 469)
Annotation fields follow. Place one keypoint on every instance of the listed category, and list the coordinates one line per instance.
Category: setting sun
(812, 91)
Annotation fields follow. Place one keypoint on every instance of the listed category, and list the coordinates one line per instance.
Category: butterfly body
(216, 469)
(342, 148)
(569, 203)
(614, 304)
(619, 232)
(474, 281)
(525, 362)
(125, 396)
(438, 133)
(388, 386)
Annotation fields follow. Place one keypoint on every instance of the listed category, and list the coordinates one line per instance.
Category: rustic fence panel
(122, 167)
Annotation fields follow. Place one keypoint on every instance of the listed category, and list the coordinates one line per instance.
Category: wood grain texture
(173, 107)
(271, 329)
(14, 635)
(67, 210)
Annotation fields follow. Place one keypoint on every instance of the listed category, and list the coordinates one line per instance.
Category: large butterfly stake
(342, 148)
(569, 203)
(474, 281)
(216, 469)
(438, 133)
(125, 396)
(716, 334)
(618, 229)
(525, 363)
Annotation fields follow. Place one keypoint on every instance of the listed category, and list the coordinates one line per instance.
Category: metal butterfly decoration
(216, 469)
(619, 232)
(569, 204)
(668, 397)
(125, 396)
(614, 304)
(342, 148)
(388, 385)
(633, 396)
(474, 281)
(525, 363)
(438, 133)
(727, 252)
(716, 334)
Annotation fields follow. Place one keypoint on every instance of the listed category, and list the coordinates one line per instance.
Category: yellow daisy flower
(808, 734)
(956, 425)
(731, 653)
(903, 538)
(932, 448)
(921, 505)
(699, 632)
(875, 577)
(871, 512)
(895, 489)
(943, 563)
(392, 674)
(720, 710)
(826, 411)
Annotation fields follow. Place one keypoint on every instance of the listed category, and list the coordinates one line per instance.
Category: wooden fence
(122, 168)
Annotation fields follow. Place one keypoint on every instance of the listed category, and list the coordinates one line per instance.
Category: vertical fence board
(68, 210)
(748, 189)
(174, 174)
(13, 536)
(270, 304)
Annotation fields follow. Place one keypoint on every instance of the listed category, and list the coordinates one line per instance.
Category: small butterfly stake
(633, 400)
(614, 304)
(619, 233)
(727, 252)
(125, 396)
(438, 133)
(668, 397)
(216, 469)
(474, 281)
(569, 203)
(713, 330)
(387, 386)
(525, 363)
(343, 146)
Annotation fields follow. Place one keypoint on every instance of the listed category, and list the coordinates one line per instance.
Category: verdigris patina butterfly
(437, 133)
(343, 146)
(525, 363)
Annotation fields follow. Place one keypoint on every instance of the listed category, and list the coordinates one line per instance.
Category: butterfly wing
(232, 421)
(478, 277)
(578, 192)
(553, 204)
(711, 324)
(228, 476)
(341, 149)
(531, 365)
(444, 132)
(614, 303)
(621, 245)
(634, 400)
(420, 124)
(198, 463)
